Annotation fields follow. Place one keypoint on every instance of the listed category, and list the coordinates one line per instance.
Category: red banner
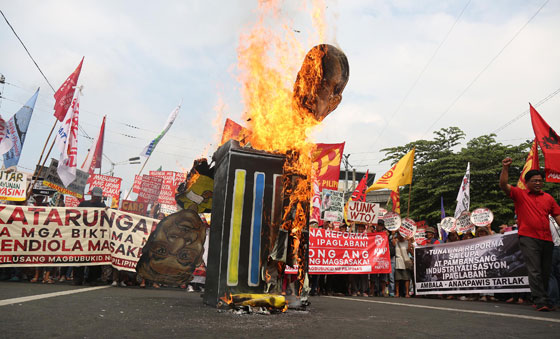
(171, 181)
(137, 184)
(111, 186)
(135, 207)
(552, 176)
(65, 93)
(548, 141)
(326, 162)
(149, 190)
(71, 201)
(333, 252)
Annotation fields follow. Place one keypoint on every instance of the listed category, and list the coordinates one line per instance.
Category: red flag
(396, 199)
(326, 163)
(360, 191)
(65, 93)
(235, 131)
(95, 154)
(548, 140)
(531, 163)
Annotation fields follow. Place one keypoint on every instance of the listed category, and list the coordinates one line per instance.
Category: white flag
(152, 145)
(464, 197)
(67, 142)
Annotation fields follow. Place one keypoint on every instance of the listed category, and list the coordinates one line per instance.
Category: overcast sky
(415, 67)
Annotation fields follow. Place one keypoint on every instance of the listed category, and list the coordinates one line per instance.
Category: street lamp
(130, 161)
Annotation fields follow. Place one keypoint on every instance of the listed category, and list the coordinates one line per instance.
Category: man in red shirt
(532, 207)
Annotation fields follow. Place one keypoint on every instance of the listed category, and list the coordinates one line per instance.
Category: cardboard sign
(332, 205)
(363, 212)
(408, 228)
(382, 212)
(482, 217)
(420, 234)
(75, 188)
(137, 184)
(135, 207)
(13, 186)
(463, 223)
(392, 221)
(171, 181)
(448, 224)
(111, 186)
(149, 190)
(71, 201)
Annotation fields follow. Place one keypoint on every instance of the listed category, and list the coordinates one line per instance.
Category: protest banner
(111, 186)
(382, 212)
(333, 252)
(135, 207)
(13, 186)
(332, 205)
(392, 221)
(463, 223)
(75, 188)
(168, 209)
(149, 190)
(59, 236)
(448, 224)
(171, 181)
(363, 212)
(482, 217)
(137, 183)
(408, 228)
(491, 264)
(71, 201)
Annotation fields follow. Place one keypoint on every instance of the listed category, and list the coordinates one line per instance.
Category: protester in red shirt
(532, 207)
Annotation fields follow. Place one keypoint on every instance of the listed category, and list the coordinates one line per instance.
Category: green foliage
(439, 167)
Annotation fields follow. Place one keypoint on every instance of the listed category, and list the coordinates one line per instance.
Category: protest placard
(332, 205)
(392, 221)
(13, 186)
(60, 236)
(463, 222)
(333, 252)
(490, 264)
(111, 186)
(482, 217)
(171, 181)
(71, 201)
(448, 224)
(420, 234)
(137, 183)
(363, 212)
(135, 207)
(168, 209)
(149, 190)
(75, 188)
(408, 228)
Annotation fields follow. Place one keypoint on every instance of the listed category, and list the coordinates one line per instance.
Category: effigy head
(321, 80)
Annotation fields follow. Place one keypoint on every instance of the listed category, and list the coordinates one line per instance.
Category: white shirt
(554, 230)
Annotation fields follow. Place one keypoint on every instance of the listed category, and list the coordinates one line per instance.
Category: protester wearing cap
(431, 236)
(94, 271)
(533, 206)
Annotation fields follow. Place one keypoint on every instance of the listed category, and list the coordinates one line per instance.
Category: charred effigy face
(321, 80)
(174, 250)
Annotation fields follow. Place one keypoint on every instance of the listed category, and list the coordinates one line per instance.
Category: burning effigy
(262, 178)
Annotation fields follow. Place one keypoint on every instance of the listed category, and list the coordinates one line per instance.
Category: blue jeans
(554, 280)
(392, 277)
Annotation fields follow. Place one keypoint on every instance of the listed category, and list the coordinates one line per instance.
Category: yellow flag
(399, 175)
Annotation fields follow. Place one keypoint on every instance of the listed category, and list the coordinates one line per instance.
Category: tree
(440, 166)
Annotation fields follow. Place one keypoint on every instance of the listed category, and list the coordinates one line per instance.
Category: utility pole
(346, 164)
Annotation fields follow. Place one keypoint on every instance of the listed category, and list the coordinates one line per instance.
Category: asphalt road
(65, 311)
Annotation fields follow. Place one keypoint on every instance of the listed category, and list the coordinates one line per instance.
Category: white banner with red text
(59, 236)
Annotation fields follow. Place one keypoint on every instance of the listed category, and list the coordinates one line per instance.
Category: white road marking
(509, 315)
(48, 295)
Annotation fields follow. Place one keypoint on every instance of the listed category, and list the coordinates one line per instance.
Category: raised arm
(504, 175)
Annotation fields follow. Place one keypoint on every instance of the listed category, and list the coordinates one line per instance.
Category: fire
(279, 114)
(227, 298)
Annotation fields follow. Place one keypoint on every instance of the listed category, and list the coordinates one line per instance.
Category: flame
(277, 112)
(227, 298)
